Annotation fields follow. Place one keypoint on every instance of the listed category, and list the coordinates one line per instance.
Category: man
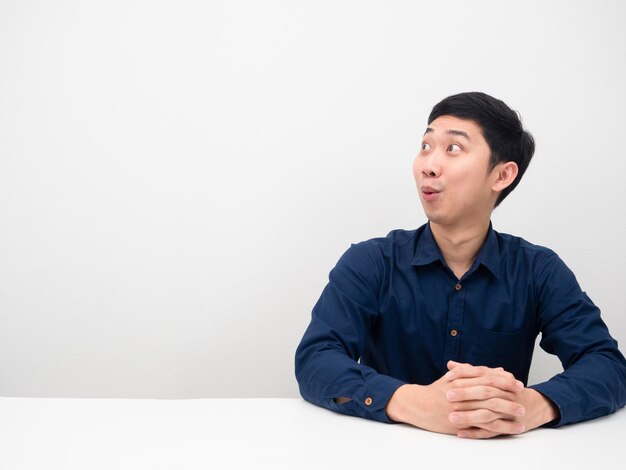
(435, 327)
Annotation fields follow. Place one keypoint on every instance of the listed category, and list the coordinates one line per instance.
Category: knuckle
(502, 426)
(493, 404)
(498, 426)
(462, 418)
(459, 394)
(484, 416)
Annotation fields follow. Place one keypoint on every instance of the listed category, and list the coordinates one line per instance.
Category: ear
(504, 173)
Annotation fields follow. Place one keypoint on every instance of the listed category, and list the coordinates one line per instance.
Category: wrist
(540, 410)
(402, 403)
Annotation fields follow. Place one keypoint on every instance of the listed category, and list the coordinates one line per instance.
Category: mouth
(429, 193)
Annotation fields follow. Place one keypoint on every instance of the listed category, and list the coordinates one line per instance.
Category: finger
(505, 408)
(473, 418)
(470, 371)
(476, 433)
(457, 366)
(496, 427)
(478, 417)
(478, 392)
(502, 380)
(453, 364)
(503, 426)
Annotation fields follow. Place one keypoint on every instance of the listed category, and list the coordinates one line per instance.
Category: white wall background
(177, 178)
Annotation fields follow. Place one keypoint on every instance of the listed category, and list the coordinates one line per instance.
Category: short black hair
(501, 127)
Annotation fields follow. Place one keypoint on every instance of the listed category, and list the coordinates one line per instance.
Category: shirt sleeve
(593, 383)
(327, 358)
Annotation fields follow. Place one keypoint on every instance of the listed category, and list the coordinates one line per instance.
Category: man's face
(452, 173)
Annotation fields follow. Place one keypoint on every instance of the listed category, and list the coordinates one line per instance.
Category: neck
(460, 245)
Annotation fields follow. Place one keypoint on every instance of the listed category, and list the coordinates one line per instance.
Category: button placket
(455, 320)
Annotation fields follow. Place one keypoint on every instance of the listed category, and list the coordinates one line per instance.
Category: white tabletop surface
(94, 434)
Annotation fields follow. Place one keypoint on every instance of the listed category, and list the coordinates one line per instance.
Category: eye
(454, 148)
(425, 146)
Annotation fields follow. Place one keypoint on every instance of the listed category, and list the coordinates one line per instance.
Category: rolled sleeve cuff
(370, 400)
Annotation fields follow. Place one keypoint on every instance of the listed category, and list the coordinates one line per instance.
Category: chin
(435, 218)
(439, 219)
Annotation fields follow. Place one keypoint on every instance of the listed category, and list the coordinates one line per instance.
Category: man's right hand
(494, 404)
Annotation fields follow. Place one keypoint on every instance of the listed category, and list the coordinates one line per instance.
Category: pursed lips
(429, 190)
(429, 193)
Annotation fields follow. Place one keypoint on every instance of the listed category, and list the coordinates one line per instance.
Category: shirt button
(458, 287)
(453, 332)
(368, 401)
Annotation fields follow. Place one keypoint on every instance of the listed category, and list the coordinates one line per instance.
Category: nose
(428, 165)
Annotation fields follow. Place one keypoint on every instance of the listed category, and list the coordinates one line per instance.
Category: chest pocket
(512, 351)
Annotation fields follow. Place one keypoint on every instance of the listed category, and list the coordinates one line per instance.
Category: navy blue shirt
(394, 313)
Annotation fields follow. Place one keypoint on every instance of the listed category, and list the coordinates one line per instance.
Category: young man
(435, 327)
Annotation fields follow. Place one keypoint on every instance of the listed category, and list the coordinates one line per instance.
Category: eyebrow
(451, 132)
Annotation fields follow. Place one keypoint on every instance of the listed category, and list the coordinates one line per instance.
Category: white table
(94, 434)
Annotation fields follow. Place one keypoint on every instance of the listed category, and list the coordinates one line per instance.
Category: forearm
(592, 387)
(594, 381)
(333, 380)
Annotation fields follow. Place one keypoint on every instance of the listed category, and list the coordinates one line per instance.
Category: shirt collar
(427, 251)
(489, 253)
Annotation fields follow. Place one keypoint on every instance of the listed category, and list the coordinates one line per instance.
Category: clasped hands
(472, 402)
